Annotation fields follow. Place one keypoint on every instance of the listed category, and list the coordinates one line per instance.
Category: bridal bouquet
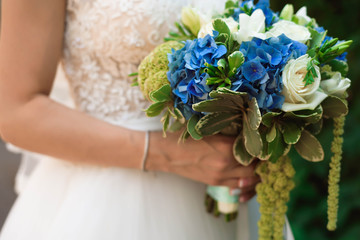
(270, 79)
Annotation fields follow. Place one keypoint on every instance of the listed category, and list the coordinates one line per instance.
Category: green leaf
(240, 152)
(184, 135)
(264, 153)
(315, 128)
(277, 148)
(176, 126)
(254, 114)
(191, 126)
(334, 107)
(133, 74)
(226, 90)
(253, 141)
(291, 132)
(222, 65)
(236, 59)
(316, 38)
(155, 109)
(309, 147)
(179, 116)
(163, 94)
(214, 122)
(216, 105)
(236, 99)
(230, 4)
(271, 135)
(233, 130)
(339, 66)
(268, 118)
(221, 26)
(311, 72)
(165, 121)
(309, 116)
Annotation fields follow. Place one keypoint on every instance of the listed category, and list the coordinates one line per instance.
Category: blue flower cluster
(343, 56)
(260, 75)
(264, 5)
(185, 76)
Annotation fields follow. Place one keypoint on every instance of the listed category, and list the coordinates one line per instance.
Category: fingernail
(235, 192)
(242, 183)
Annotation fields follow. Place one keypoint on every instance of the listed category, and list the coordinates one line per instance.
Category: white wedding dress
(104, 41)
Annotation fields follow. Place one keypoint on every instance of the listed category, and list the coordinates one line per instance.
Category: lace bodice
(105, 40)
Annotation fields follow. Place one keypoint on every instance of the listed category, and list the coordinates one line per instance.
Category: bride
(89, 184)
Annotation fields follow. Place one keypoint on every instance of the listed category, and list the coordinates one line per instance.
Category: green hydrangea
(153, 69)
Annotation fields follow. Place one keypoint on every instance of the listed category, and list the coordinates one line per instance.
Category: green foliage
(334, 107)
(311, 72)
(309, 148)
(220, 76)
(307, 207)
(163, 103)
(227, 111)
(191, 127)
(182, 34)
(152, 71)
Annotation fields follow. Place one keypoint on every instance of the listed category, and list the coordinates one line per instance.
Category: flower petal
(313, 102)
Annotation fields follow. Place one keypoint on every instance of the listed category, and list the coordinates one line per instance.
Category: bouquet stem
(334, 174)
(212, 208)
(273, 195)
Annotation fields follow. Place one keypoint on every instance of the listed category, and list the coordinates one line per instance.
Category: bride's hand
(209, 161)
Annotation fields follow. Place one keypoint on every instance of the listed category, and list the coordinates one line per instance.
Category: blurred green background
(308, 206)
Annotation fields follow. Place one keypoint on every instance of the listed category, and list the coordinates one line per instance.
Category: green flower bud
(192, 19)
(288, 12)
(153, 69)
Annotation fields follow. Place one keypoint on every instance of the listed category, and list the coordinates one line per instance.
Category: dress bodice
(105, 40)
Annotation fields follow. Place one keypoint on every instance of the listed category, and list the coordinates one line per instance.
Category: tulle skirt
(64, 201)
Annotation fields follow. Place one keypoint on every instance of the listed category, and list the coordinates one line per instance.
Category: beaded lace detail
(105, 40)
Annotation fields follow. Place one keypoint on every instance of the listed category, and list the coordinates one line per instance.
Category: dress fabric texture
(104, 41)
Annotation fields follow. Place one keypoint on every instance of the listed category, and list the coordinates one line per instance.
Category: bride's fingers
(242, 172)
(244, 197)
(248, 181)
(231, 183)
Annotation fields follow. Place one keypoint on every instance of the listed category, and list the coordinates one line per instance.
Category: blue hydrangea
(187, 81)
(265, 60)
(264, 5)
(343, 56)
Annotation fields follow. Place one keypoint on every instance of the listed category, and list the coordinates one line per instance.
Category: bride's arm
(30, 47)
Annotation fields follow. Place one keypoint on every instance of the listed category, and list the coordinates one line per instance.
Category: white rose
(291, 30)
(304, 19)
(193, 19)
(336, 86)
(209, 28)
(251, 26)
(297, 95)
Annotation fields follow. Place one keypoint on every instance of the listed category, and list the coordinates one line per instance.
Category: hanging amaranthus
(334, 174)
(273, 195)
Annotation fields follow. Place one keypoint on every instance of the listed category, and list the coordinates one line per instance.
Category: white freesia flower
(297, 95)
(302, 16)
(209, 28)
(291, 30)
(336, 86)
(193, 19)
(251, 26)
